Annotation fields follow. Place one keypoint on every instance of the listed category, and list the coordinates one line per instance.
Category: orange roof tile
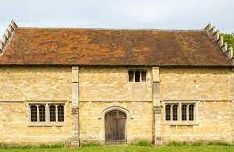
(68, 46)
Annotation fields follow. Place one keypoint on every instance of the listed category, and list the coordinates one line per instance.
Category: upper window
(137, 75)
(47, 112)
(180, 111)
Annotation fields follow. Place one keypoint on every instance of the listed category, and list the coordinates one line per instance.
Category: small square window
(131, 76)
(143, 76)
(137, 76)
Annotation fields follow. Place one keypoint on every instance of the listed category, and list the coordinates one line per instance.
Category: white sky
(157, 14)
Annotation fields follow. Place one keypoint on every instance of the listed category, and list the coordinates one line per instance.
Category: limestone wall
(139, 122)
(20, 86)
(196, 84)
(212, 91)
(103, 87)
(214, 123)
(15, 128)
(111, 84)
(35, 83)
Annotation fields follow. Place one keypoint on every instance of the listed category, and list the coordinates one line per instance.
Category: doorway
(115, 127)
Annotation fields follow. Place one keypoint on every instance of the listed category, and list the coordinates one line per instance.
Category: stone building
(108, 85)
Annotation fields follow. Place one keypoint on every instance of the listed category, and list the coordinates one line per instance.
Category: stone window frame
(179, 120)
(134, 70)
(47, 122)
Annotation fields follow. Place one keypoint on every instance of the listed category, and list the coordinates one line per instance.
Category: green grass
(127, 148)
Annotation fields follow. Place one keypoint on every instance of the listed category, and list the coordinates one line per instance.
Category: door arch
(115, 126)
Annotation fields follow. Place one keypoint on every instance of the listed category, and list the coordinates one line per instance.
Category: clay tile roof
(68, 46)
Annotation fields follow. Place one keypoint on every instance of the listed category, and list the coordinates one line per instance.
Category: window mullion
(171, 112)
(140, 77)
(29, 113)
(187, 111)
(177, 113)
(56, 112)
(134, 76)
(38, 113)
(195, 113)
(47, 113)
(180, 113)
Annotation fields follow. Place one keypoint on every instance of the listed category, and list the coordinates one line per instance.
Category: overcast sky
(156, 14)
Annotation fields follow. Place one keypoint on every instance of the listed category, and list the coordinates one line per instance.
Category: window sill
(41, 124)
(186, 123)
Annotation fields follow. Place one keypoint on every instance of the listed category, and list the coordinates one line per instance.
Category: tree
(229, 39)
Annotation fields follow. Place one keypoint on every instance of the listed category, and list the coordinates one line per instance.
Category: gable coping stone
(7, 35)
(215, 36)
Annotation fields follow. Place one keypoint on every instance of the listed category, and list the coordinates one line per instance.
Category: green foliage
(28, 146)
(200, 143)
(228, 38)
(176, 143)
(219, 143)
(90, 144)
(138, 146)
(129, 148)
(142, 143)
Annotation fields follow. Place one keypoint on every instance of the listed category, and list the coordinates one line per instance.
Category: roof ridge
(215, 36)
(7, 36)
(114, 29)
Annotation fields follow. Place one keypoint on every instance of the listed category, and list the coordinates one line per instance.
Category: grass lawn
(127, 148)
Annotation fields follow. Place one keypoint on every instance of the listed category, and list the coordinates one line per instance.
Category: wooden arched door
(115, 126)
